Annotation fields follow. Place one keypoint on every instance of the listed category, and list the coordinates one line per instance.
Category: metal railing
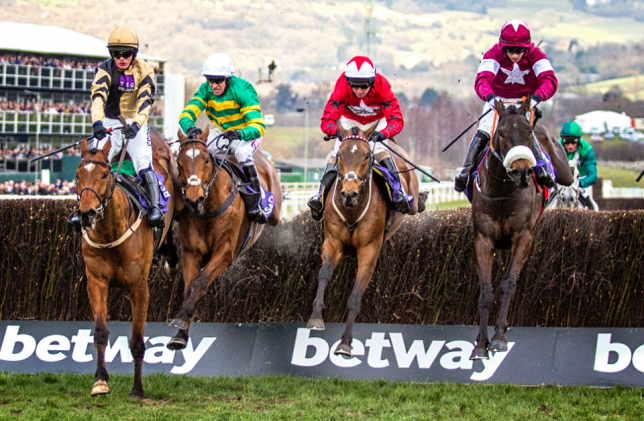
(18, 165)
(53, 78)
(610, 192)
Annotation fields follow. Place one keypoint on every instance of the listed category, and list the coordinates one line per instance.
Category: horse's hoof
(176, 343)
(100, 388)
(479, 354)
(171, 270)
(180, 324)
(498, 345)
(344, 350)
(134, 396)
(315, 324)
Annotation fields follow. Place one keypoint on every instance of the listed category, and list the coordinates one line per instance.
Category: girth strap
(229, 201)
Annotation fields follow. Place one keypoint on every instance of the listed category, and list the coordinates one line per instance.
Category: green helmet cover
(570, 129)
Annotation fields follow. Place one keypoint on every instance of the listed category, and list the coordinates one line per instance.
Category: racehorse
(118, 245)
(505, 208)
(358, 220)
(567, 197)
(215, 227)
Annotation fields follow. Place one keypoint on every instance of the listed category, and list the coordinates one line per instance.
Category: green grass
(449, 205)
(619, 177)
(66, 397)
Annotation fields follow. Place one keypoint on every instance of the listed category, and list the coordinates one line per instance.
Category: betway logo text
(458, 356)
(55, 348)
(623, 353)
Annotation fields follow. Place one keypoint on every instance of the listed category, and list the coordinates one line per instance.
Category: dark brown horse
(214, 226)
(505, 208)
(357, 219)
(117, 248)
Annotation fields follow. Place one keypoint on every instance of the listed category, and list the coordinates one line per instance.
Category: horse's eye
(366, 157)
(207, 161)
(105, 174)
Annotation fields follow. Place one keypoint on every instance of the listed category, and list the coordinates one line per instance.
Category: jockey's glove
(232, 135)
(99, 130)
(194, 132)
(534, 101)
(132, 130)
(491, 98)
(378, 136)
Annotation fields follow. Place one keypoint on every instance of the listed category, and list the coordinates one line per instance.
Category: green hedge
(585, 270)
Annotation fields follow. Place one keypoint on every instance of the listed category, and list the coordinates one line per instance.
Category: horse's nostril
(201, 200)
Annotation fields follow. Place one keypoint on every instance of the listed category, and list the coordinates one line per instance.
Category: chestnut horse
(215, 226)
(505, 208)
(358, 220)
(117, 248)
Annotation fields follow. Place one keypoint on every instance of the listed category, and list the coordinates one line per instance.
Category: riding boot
(74, 221)
(316, 203)
(592, 205)
(400, 203)
(479, 142)
(252, 200)
(544, 177)
(156, 218)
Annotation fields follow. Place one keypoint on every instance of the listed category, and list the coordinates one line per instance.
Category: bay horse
(118, 246)
(214, 226)
(505, 208)
(357, 221)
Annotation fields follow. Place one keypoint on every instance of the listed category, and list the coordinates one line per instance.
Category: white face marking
(89, 167)
(192, 153)
(354, 149)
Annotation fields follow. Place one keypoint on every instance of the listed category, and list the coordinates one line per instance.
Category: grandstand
(49, 71)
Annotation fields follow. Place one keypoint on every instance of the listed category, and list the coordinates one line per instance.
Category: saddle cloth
(134, 186)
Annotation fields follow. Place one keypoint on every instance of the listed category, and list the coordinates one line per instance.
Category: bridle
(194, 180)
(351, 175)
(108, 193)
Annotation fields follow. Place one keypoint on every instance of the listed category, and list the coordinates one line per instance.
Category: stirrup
(316, 206)
(402, 205)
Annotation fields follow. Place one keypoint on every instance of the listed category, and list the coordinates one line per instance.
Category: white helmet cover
(218, 64)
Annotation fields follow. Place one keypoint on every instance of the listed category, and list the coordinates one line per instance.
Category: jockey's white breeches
(242, 149)
(139, 148)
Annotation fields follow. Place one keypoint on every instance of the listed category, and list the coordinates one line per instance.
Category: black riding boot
(316, 203)
(156, 218)
(545, 178)
(479, 142)
(401, 205)
(252, 201)
(74, 221)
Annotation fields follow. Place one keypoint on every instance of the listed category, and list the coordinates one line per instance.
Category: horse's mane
(355, 131)
(155, 131)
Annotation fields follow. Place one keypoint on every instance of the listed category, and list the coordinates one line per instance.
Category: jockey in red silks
(362, 98)
(509, 71)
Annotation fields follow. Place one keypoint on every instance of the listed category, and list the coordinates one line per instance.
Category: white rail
(610, 192)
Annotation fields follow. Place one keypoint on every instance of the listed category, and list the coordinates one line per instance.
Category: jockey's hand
(534, 101)
(99, 130)
(232, 135)
(491, 100)
(378, 137)
(194, 131)
(132, 130)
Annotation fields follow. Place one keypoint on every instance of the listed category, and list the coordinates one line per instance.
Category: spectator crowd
(55, 107)
(24, 152)
(59, 63)
(26, 188)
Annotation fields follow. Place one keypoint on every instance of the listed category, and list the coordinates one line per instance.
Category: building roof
(312, 163)
(28, 37)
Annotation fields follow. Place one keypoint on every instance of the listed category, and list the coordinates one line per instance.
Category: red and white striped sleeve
(488, 69)
(546, 80)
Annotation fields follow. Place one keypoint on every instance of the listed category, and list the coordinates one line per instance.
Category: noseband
(193, 180)
(351, 175)
(108, 193)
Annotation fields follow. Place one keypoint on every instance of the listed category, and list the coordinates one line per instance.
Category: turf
(619, 177)
(66, 397)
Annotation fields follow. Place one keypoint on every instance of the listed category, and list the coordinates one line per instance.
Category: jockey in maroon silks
(362, 98)
(509, 71)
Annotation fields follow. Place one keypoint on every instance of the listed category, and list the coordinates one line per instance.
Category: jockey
(581, 151)
(362, 98)
(124, 86)
(510, 70)
(232, 106)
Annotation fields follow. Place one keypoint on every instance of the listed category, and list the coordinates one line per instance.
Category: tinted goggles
(124, 54)
(364, 85)
(515, 50)
(570, 140)
(215, 80)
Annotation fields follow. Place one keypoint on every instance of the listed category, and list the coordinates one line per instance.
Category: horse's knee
(354, 304)
(326, 272)
(101, 335)
(486, 300)
(137, 347)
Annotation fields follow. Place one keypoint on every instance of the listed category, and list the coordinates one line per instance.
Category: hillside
(417, 44)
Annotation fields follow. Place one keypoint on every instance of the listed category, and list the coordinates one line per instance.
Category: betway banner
(598, 357)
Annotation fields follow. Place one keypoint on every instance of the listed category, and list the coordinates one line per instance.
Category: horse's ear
(525, 107)
(204, 135)
(106, 147)
(498, 105)
(367, 133)
(84, 148)
(343, 133)
(182, 137)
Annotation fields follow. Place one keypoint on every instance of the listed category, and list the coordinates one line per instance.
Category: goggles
(363, 85)
(515, 50)
(217, 80)
(124, 54)
(570, 140)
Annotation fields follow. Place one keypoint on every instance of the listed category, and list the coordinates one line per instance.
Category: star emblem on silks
(515, 75)
(386, 104)
(335, 104)
(363, 109)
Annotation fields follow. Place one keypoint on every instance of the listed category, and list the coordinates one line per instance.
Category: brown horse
(505, 208)
(117, 248)
(358, 220)
(215, 226)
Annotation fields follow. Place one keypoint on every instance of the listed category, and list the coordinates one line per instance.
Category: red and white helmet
(360, 69)
(515, 33)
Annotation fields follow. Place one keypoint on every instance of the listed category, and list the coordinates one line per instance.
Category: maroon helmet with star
(515, 33)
